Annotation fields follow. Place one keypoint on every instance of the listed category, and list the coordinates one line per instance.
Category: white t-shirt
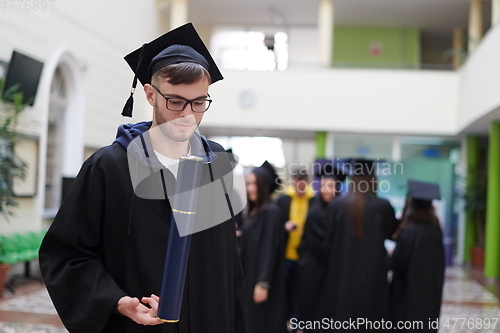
(170, 163)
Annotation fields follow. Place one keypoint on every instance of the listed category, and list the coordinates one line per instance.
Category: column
(396, 149)
(178, 13)
(162, 13)
(495, 12)
(330, 145)
(325, 32)
(472, 164)
(320, 144)
(492, 241)
(475, 24)
(458, 47)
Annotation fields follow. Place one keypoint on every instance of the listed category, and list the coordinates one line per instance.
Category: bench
(20, 248)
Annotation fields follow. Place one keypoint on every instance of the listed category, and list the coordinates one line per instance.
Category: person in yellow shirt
(294, 205)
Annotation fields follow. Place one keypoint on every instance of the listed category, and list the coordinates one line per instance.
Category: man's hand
(289, 226)
(138, 312)
(259, 294)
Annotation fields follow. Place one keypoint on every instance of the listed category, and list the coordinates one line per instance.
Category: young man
(103, 257)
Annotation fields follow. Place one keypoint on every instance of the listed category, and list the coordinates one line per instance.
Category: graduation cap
(329, 171)
(231, 155)
(359, 167)
(268, 173)
(182, 44)
(423, 191)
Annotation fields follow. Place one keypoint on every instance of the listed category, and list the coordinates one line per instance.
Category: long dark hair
(263, 196)
(420, 211)
(356, 202)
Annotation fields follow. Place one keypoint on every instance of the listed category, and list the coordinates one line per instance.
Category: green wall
(492, 246)
(320, 144)
(354, 46)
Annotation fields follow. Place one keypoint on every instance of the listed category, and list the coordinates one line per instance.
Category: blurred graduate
(357, 264)
(312, 260)
(261, 241)
(418, 261)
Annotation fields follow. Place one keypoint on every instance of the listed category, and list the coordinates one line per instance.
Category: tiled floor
(469, 305)
(29, 310)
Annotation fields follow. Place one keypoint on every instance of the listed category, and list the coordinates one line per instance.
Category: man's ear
(150, 94)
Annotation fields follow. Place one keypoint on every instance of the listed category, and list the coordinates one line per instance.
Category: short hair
(181, 73)
(300, 174)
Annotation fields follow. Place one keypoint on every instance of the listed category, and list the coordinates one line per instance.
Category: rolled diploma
(176, 259)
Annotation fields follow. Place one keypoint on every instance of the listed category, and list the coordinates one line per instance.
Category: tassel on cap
(129, 105)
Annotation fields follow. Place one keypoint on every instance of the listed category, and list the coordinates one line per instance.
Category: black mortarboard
(232, 157)
(268, 173)
(182, 44)
(329, 171)
(359, 167)
(423, 191)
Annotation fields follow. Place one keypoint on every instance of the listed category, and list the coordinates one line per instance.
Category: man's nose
(187, 111)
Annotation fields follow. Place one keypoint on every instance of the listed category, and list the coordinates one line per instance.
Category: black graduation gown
(312, 261)
(356, 283)
(106, 242)
(418, 275)
(262, 259)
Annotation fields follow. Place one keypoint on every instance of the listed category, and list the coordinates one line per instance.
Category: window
(250, 50)
(57, 110)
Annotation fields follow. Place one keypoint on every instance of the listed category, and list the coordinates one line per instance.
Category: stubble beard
(164, 125)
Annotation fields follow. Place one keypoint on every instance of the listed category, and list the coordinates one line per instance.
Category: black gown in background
(262, 259)
(418, 275)
(312, 261)
(356, 283)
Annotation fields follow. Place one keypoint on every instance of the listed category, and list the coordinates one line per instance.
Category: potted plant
(475, 206)
(11, 166)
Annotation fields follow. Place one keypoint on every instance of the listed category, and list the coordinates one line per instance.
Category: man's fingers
(146, 315)
(153, 303)
(129, 301)
(142, 308)
(146, 319)
(126, 304)
(138, 312)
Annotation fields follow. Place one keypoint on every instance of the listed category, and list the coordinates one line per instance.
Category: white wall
(304, 47)
(98, 34)
(90, 38)
(480, 80)
(339, 100)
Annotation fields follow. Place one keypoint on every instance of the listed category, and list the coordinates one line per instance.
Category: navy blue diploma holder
(176, 260)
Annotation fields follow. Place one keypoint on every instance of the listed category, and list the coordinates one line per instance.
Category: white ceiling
(433, 15)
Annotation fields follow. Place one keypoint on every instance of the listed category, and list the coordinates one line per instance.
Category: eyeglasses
(198, 105)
